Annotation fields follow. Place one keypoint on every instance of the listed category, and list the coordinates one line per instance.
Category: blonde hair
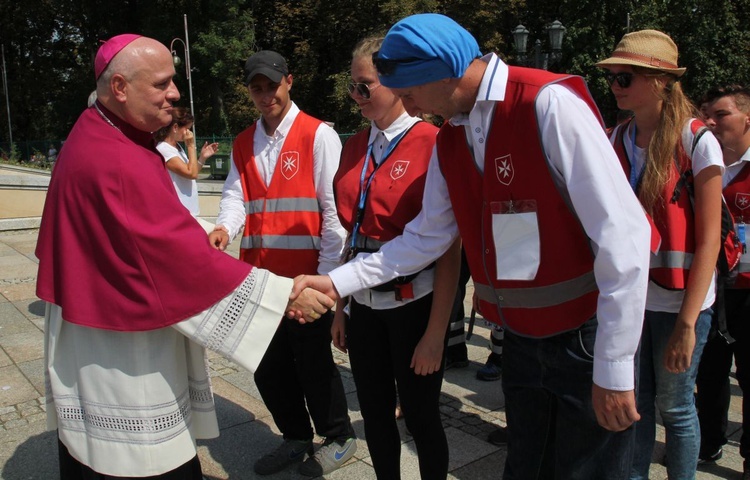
(367, 46)
(675, 113)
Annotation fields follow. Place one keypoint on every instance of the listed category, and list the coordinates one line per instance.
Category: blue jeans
(552, 428)
(672, 393)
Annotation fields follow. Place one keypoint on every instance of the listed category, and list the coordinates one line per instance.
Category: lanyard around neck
(364, 183)
(635, 178)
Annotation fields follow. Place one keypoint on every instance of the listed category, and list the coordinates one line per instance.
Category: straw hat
(646, 48)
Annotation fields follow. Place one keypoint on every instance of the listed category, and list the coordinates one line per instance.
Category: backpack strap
(685, 181)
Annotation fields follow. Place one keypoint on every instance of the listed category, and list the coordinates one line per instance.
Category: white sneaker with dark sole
(329, 457)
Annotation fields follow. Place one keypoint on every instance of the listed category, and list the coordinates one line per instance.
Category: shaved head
(137, 85)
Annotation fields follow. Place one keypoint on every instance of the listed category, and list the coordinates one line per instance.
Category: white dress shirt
(583, 162)
(423, 283)
(731, 171)
(266, 148)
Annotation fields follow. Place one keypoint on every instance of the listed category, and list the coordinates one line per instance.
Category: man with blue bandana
(557, 242)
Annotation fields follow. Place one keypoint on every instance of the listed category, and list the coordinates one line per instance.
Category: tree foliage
(50, 47)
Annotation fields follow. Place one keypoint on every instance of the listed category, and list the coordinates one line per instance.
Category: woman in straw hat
(659, 147)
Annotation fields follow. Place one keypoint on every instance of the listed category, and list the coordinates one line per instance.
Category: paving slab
(470, 408)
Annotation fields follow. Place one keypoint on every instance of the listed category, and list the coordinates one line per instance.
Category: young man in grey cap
(280, 187)
(557, 243)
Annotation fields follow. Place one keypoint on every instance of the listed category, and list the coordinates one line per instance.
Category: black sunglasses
(363, 89)
(386, 67)
(624, 79)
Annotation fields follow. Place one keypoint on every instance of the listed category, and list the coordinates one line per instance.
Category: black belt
(391, 286)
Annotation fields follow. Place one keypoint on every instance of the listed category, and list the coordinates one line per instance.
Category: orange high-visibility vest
(283, 220)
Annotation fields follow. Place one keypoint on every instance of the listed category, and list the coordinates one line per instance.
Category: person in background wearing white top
(183, 167)
(727, 111)
(657, 148)
(395, 333)
(279, 187)
(525, 164)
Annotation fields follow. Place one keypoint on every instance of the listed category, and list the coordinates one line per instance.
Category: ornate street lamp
(540, 59)
(177, 61)
(520, 37)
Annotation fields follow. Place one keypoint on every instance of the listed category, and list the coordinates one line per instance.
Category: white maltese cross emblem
(289, 164)
(504, 169)
(742, 200)
(399, 169)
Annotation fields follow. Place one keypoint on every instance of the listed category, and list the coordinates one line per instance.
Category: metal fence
(38, 150)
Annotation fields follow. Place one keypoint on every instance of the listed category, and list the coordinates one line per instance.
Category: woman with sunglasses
(675, 168)
(394, 333)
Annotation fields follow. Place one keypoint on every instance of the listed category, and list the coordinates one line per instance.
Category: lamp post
(7, 102)
(177, 61)
(556, 32)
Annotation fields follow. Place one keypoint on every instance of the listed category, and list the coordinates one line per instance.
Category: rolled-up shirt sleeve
(232, 204)
(326, 155)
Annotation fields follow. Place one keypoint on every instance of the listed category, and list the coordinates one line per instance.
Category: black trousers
(72, 469)
(456, 348)
(297, 375)
(713, 396)
(381, 344)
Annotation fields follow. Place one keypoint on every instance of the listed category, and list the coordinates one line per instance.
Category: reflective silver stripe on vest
(537, 297)
(367, 243)
(286, 242)
(671, 259)
(282, 205)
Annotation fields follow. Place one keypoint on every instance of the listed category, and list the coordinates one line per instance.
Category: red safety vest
(283, 220)
(737, 195)
(563, 295)
(394, 196)
(674, 220)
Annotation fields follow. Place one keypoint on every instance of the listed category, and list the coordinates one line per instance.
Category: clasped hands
(311, 297)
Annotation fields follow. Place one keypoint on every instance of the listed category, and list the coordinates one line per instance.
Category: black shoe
(455, 363)
(490, 372)
(499, 437)
(704, 458)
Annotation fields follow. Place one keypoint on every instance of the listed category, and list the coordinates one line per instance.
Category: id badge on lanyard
(515, 232)
(741, 229)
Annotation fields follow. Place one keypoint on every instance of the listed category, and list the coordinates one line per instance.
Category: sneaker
(499, 437)
(288, 453)
(491, 371)
(704, 459)
(455, 363)
(329, 457)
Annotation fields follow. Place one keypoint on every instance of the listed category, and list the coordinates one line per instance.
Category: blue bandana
(432, 46)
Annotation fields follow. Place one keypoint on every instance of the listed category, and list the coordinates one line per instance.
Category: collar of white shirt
(286, 124)
(731, 171)
(491, 88)
(394, 129)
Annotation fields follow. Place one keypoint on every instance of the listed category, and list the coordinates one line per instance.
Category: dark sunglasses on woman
(363, 89)
(623, 79)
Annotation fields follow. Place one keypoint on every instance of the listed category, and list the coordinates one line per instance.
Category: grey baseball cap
(268, 63)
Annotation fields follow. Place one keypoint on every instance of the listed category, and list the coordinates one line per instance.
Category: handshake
(311, 297)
